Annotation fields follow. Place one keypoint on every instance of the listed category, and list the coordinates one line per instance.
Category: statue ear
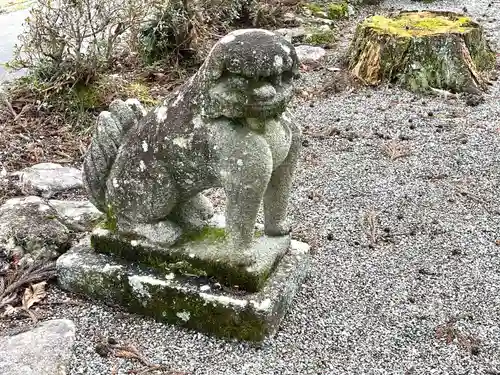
(213, 67)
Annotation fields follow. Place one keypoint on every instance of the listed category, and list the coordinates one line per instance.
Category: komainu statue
(226, 127)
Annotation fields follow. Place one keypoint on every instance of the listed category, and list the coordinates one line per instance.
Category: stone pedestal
(193, 283)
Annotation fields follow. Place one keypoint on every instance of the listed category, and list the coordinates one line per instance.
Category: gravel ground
(396, 193)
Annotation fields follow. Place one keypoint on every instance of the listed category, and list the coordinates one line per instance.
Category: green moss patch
(207, 233)
(320, 38)
(337, 10)
(419, 24)
(333, 11)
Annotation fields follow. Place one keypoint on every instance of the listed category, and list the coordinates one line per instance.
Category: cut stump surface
(422, 51)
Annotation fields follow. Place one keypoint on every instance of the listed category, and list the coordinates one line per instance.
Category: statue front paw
(241, 253)
(277, 229)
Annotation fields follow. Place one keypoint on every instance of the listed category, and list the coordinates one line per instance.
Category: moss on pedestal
(422, 51)
(203, 253)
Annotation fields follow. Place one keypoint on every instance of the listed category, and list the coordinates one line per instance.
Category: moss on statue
(110, 221)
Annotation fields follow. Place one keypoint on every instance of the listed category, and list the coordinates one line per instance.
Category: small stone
(305, 143)
(112, 341)
(81, 213)
(430, 113)
(310, 55)
(475, 350)
(29, 223)
(473, 100)
(456, 252)
(102, 350)
(44, 350)
(48, 179)
(292, 35)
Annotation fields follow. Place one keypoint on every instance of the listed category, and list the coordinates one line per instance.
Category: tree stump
(422, 51)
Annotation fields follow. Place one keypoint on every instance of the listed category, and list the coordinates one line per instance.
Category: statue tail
(111, 128)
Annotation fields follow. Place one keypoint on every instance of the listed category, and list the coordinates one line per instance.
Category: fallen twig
(14, 280)
(370, 226)
(395, 150)
(109, 346)
(9, 106)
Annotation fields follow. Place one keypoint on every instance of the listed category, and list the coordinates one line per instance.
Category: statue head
(249, 74)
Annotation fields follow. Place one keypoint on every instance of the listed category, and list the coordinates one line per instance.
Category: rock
(48, 179)
(192, 302)
(351, 11)
(324, 21)
(422, 51)
(292, 19)
(310, 55)
(45, 350)
(77, 213)
(29, 225)
(473, 100)
(292, 35)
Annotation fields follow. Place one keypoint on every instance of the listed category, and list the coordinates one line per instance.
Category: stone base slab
(200, 253)
(191, 302)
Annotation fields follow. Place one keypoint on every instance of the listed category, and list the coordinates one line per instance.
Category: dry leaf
(33, 294)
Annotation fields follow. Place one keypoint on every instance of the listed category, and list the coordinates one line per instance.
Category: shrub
(68, 41)
(184, 29)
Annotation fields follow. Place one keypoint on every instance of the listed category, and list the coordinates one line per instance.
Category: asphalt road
(11, 25)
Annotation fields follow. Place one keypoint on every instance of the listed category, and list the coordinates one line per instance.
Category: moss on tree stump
(422, 51)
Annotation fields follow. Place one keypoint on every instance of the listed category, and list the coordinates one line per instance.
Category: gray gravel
(381, 299)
